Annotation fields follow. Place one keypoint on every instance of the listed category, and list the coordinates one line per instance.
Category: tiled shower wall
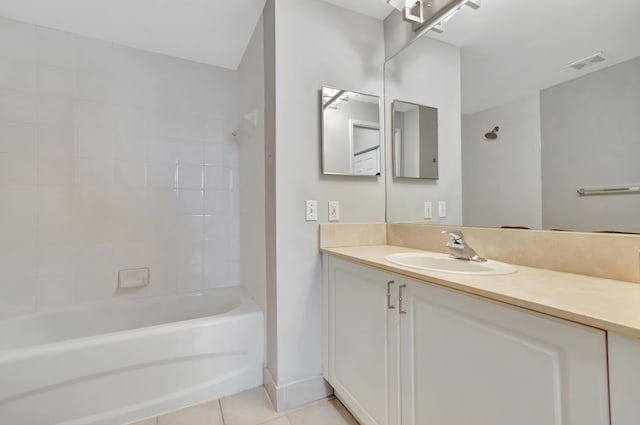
(111, 158)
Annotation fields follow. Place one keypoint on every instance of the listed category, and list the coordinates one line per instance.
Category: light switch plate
(428, 210)
(334, 211)
(442, 209)
(311, 210)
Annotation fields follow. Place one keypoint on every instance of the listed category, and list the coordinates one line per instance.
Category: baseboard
(295, 394)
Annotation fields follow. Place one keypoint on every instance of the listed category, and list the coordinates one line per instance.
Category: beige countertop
(606, 304)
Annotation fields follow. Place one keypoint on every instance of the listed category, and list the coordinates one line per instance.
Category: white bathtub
(118, 363)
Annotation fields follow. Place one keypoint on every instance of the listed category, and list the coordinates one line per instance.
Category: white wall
(427, 73)
(316, 44)
(501, 179)
(111, 158)
(251, 169)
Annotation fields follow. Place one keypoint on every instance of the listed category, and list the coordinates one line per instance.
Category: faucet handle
(455, 235)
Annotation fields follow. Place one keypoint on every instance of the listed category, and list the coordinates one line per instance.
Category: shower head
(493, 134)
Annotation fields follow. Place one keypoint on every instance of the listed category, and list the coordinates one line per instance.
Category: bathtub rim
(246, 307)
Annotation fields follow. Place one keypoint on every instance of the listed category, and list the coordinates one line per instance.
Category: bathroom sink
(437, 262)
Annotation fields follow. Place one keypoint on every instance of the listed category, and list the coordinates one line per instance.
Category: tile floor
(254, 408)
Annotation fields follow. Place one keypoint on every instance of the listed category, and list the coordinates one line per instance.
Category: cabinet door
(361, 342)
(465, 361)
(624, 376)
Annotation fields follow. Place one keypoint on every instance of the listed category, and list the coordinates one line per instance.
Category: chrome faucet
(459, 248)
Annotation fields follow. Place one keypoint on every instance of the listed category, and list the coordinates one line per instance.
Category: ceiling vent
(579, 65)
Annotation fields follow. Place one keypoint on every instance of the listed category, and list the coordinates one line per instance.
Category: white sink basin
(437, 262)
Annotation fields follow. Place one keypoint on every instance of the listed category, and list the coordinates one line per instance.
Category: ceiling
(378, 9)
(509, 48)
(515, 48)
(214, 32)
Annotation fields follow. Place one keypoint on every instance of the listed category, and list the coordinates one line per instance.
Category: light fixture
(430, 15)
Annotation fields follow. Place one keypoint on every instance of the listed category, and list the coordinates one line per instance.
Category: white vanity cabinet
(464, 360)
(624, 378)
(362, 338)
(445, 358)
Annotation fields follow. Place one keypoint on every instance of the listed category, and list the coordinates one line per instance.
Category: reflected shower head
(493, 134)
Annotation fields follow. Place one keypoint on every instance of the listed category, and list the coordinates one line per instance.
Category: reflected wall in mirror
(566, 103)
(415, 140)
(350, 133)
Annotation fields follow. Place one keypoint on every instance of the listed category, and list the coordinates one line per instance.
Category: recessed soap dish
(133, 278)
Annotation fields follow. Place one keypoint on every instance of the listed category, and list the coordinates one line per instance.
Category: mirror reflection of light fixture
(332, 97)
(430, 15)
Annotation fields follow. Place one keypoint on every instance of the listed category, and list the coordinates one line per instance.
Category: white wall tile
(95, 142)
(130, 255)
(190, 177)
(18, 39)
(191, 202)
(130, 147)
(190, 152)
(192, 276)
(95, 174)
(94, 86)
(17, 74)
(160, 201)
(220, 178)
(95, 55)
(55, 111)
(221, 202)
(57, 48)
(18, 169)
(18, 107)
(56, 171)
(193, 228)
(17, 297)
(58, 228)
(20, 229)
(54, 140)
(161, 149)
(18, 262)
(161, 176)
(131, 174)
(57, 259)
(93, 287)
(55, 292)
(102, 153)
(18, 138)
(96, 258)
(90, 114)
(56, 81)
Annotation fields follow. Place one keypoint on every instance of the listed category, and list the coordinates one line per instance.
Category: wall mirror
(350, 133)
(415, 140)
(566, 104)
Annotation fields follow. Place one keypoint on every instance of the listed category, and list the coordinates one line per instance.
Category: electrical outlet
(428, 210)
(334, 211)
(311, 210)
(442, 209)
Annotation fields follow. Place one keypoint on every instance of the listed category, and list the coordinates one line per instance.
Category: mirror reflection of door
(365, 142)
(350, 133)
(415, 129)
